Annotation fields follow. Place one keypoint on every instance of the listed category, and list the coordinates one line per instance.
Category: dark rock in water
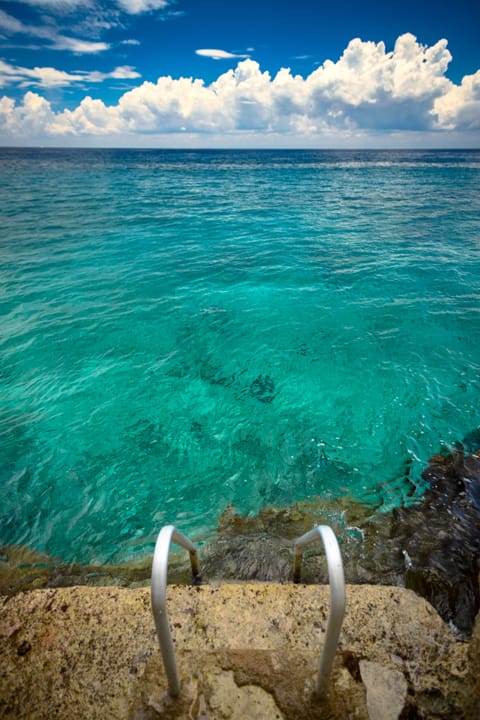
(440, 539)
(260, 547)
(432, 548)
(263, 389)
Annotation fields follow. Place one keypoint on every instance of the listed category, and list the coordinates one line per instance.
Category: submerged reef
(263, 389)
(432, 547)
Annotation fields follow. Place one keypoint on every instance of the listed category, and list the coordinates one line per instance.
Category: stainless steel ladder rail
(336, 579)
(167, 535)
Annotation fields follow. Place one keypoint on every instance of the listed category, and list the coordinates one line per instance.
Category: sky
(213, 73)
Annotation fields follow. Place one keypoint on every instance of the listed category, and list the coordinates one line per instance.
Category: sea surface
(181, 331)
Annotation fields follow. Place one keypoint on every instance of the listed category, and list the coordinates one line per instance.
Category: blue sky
(211, 73)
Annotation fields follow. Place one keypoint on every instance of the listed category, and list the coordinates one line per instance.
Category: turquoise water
(185, 330)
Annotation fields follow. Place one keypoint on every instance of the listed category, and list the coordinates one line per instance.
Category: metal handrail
(337, 597)
(167, 535)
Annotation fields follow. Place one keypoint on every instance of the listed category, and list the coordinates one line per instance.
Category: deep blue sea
(181, 331)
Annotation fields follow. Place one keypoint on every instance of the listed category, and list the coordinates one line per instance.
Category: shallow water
(185, 330)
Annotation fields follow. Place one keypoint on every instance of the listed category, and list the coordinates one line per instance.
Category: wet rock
(24, 569)
(260, 547)
(440, 539)
(432, 547)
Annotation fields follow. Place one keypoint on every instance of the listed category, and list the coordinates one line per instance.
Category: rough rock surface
(440, 538)
(243, 651)
(386, 690)
(473, 699)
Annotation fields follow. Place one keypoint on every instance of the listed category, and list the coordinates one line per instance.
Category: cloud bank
(367, 90)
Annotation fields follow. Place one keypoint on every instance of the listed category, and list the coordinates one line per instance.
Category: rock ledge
(243, 651)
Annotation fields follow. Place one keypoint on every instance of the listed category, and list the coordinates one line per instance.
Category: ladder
(169, 534)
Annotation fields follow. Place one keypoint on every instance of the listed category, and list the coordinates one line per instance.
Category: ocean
(184, 331)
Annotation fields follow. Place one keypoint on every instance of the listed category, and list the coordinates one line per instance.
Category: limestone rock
(473, 702)
(237, 703)
(92, 653)
(386, 691)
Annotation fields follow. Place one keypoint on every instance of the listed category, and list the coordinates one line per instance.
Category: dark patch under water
(263, 389)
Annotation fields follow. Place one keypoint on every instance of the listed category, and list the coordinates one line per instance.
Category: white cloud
(60, 31)
(58, 4)
(132, 7)
(135, 7)
(48, 77)
(57, 41)
(367, 92)
(218, 54)
(124, 72)
(10, 24)
(10, 74)
(91, 117)
(32, 118)
(79, 47)
(459, 107)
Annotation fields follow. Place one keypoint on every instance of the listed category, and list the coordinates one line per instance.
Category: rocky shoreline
(432, 547)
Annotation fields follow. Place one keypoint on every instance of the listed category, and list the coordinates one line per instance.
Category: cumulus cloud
(367, 90)
(218, 54)
(372, 88)
(33, 117)
(459, 107)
